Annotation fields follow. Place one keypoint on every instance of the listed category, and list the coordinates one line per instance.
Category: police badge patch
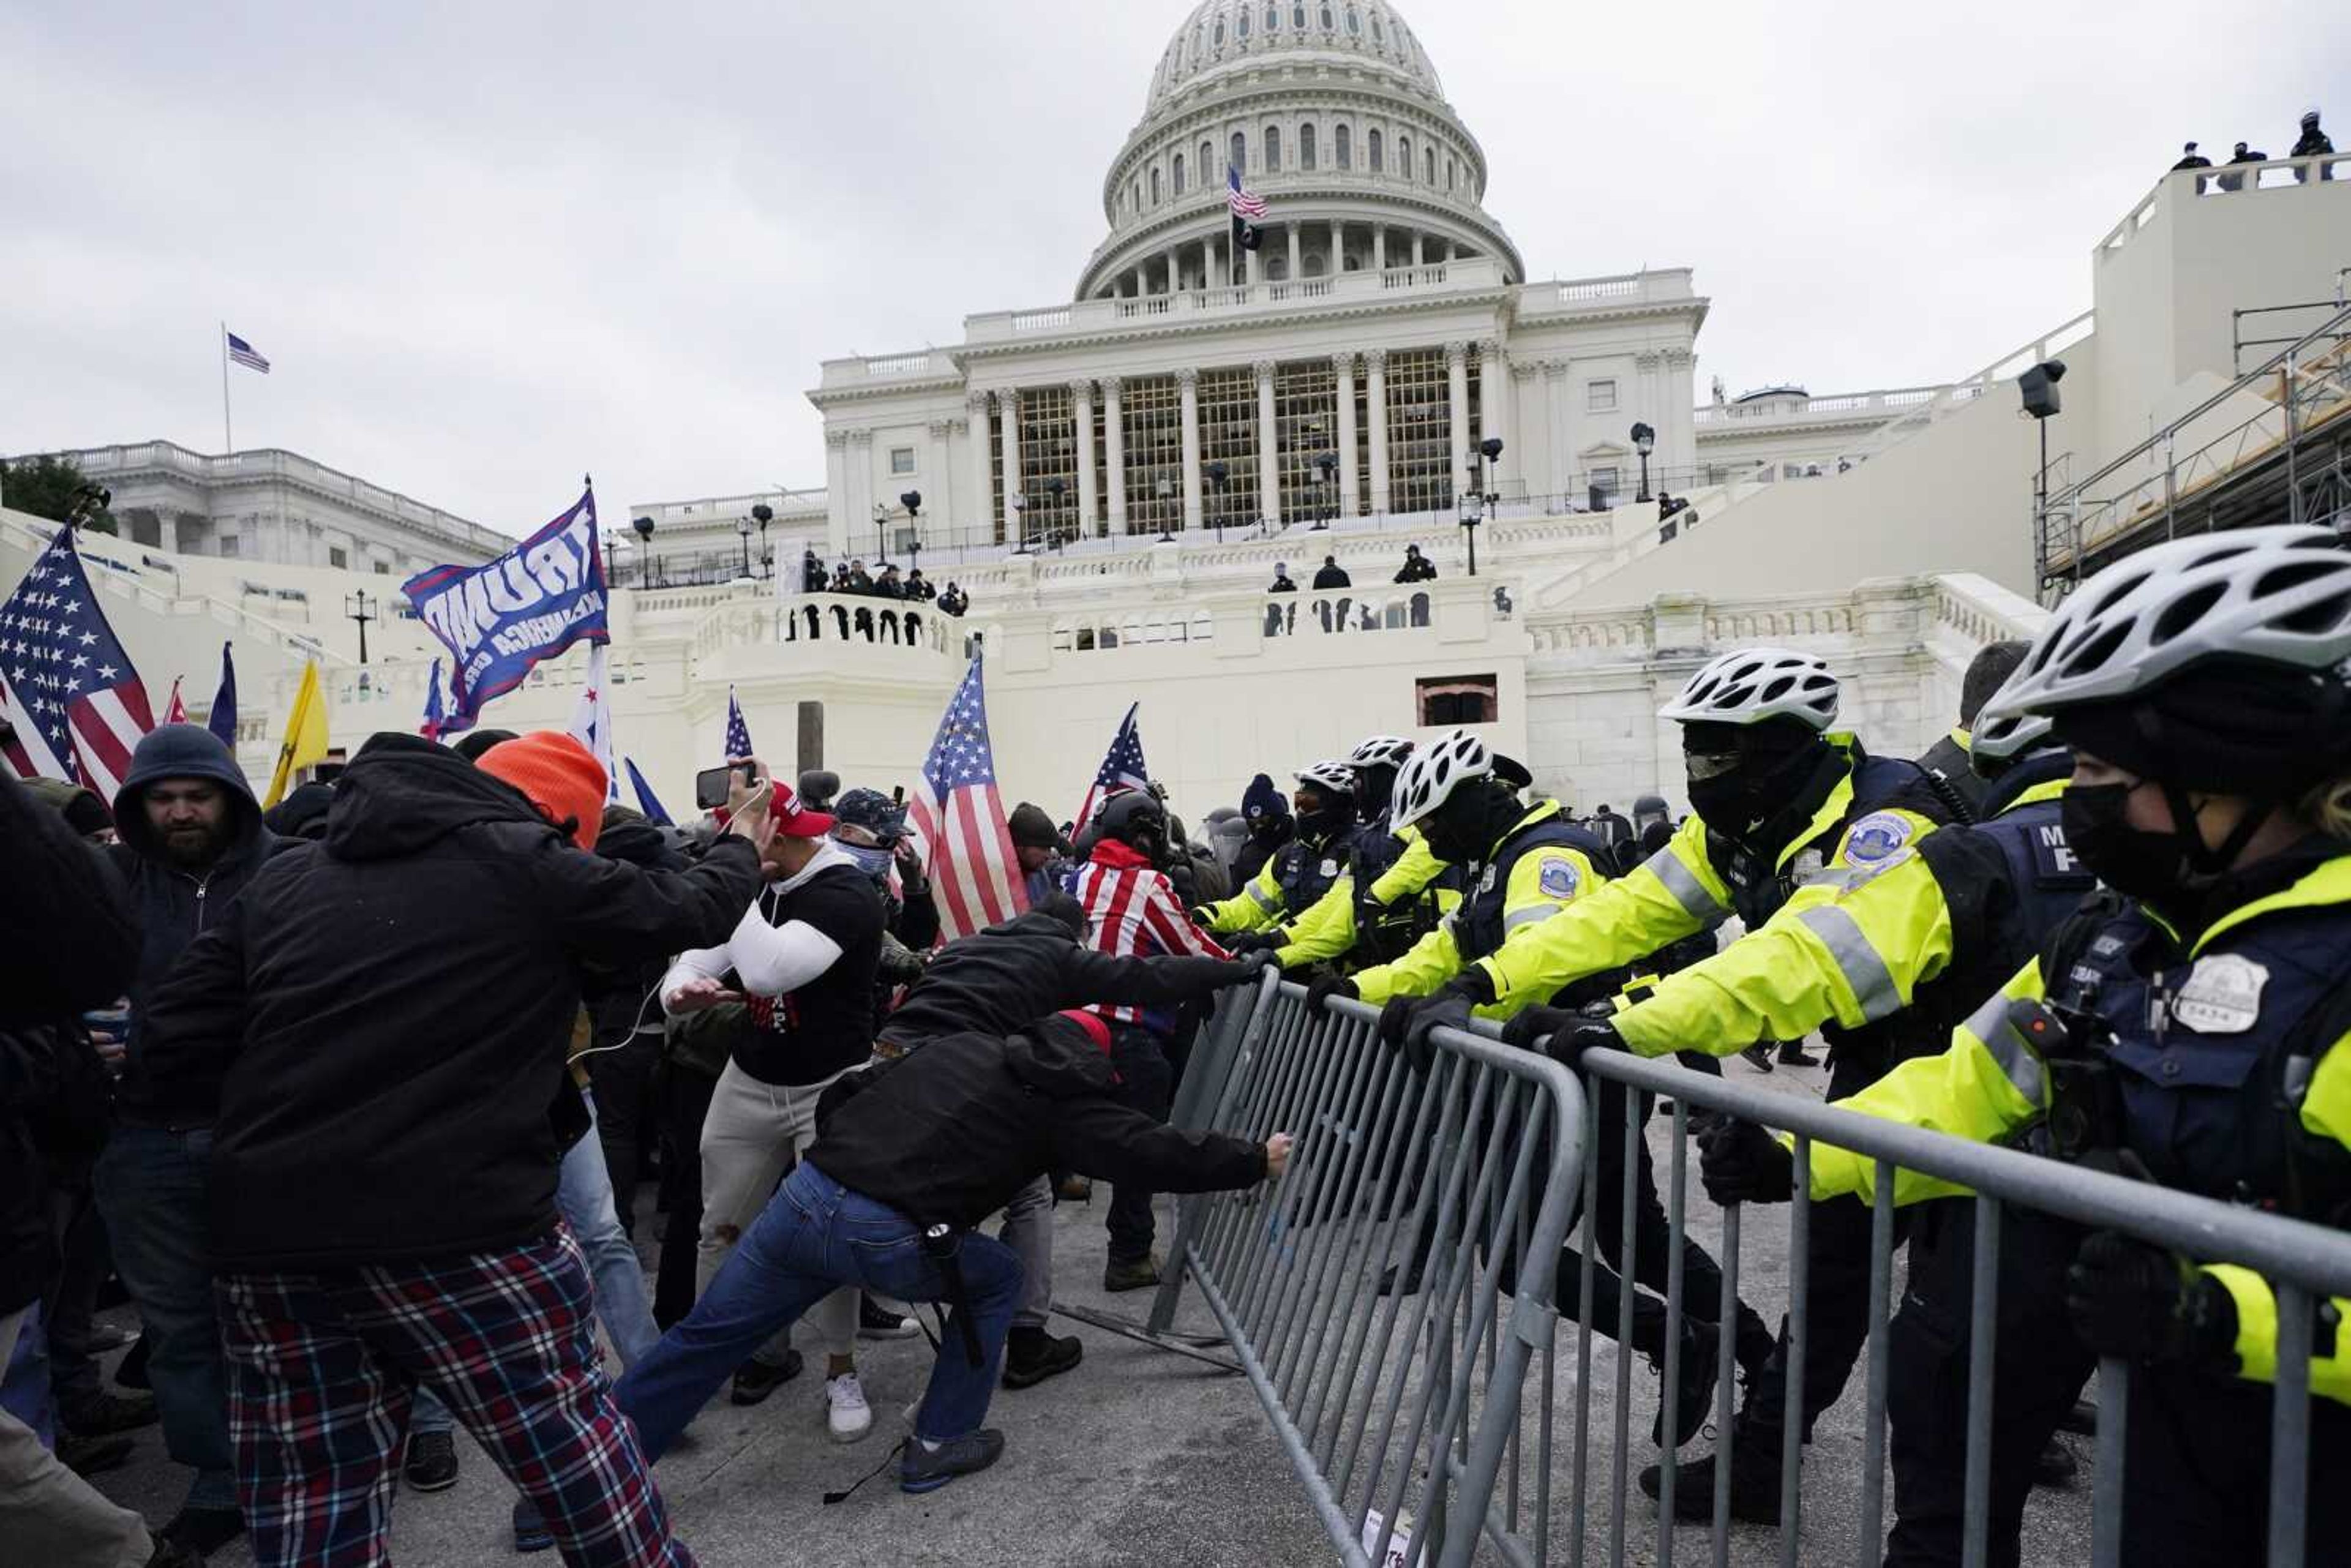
(1876, 837)
(1558, 878)
(2222, 996)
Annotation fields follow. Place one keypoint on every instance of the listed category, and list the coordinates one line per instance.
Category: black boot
(1032, 1356)
(1754, 1481)
(1694, 1396)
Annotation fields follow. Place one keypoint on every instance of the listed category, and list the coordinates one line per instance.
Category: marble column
(861, 490)
(1457, 386)
(1082, 401)
(1297, 267)
(1491, 390)
(1114, 452)
(1350, 492)
(950, 502)
(1376, 394)
(1187, 390)
(1007, 414)
(1419, 247)
(836, 491)
(1338, 250)
(1269, 447)
(1379, 247)
(1563, 456)
(980, 503)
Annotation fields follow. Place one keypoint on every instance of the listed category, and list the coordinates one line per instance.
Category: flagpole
(228, 440)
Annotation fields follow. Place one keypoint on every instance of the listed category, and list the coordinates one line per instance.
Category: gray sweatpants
(48, 1514)
(753, 1132)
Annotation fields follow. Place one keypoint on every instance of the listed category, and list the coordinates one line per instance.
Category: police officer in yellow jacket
(1394, 890)
(1296, 876)
(2188, 1027)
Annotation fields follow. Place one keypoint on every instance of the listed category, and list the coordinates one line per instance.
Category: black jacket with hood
(949, 1133)
(383, 1019)
(176, 906)
(1005, 977)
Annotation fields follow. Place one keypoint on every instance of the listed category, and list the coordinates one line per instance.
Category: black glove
(1568, 1046)
(1408, 1022)
(1253, 942)
(1323, 989)
(1201, 916)
(1741, 1163)
(2130, 1298)
(1532, 1029)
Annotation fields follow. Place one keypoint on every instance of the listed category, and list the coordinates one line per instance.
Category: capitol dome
(1332, 113)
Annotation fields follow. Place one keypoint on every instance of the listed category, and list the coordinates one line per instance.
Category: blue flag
(222, 720)
(739, 734)
(531, 604)
(645, 800)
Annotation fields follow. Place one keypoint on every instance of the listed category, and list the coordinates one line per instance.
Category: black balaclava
(1374, 785)
(1472, 820)
(1322, 812)
(1759, 784)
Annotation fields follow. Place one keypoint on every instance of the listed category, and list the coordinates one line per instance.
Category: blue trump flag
(531, 604)
(222, 720)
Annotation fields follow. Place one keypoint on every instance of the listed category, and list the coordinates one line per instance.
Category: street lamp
(913, 501)
(1645, 441)
(1219, 474)
(359, 607)
(1164, 489)
(644, 527)
(1055, 489)
(1473, 512)
(743, 531)
(1327, 462)
(2039, 388)
(763, 513)
(1018, 503)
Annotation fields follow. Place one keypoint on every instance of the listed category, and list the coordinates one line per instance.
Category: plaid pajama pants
(323, 1367)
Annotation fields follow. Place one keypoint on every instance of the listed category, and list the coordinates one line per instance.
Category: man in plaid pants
(382, 1018)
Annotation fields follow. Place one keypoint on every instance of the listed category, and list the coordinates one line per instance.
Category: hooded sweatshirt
(383, 1017)
(175, 906)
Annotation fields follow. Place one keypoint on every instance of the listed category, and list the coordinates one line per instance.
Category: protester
(812, 578)
(1333, 575)
(193, 839)
(803, 956)
(953, 602)
(918, 587)
(913, 1156)
(1267, 811)
(625, 1016)
(1282, 584)
(381, 1028)
(1042, 852)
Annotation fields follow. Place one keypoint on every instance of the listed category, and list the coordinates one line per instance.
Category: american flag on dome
(739, 734)
(956, 811)
(66, 685)
(1244, 202)
(245, 354)
(1122, 769)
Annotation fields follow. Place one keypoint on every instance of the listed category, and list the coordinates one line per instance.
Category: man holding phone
(802, 957)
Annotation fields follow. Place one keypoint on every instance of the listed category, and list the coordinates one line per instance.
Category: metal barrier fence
(1419, 1200)
(1361, 1292)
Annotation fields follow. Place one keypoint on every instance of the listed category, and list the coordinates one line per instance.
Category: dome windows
(1355, 22)
(1220, 32)
(1176, 174)
(1329, 22)
(1428, 165)
(1154, 187)
(1343, 147)
(1371, 149)
(1298, 18)
(1241, 24)
(1273, 18)
(1273, 149)
(1240, 150)
(1379, 33)
(1306, 145)
(1404, 157)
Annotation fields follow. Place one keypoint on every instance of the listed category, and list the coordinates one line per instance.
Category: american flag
(65, 683)
(739, 734)
(245, 354)
(1123, 769)
(592, 721)
(1244, 202)
(958, 812)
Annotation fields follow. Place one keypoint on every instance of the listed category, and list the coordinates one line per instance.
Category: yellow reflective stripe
(2007, 1046)
(1266, 901)
(1872, 983)
(1529, 914)
(1681, 882)
(1831, 814)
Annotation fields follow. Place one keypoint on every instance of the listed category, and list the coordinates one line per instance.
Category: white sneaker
(846, 1412)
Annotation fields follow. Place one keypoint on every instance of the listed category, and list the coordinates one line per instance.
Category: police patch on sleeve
(1878, 836)
(1557, 877)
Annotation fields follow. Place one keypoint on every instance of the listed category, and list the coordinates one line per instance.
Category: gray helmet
(1429, 779)
(1333, 778)
(2273, 596)
(1753, 684)
(2001, 735)
(1381, 751)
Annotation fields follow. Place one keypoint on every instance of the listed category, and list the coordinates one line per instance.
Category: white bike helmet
(2277, 596)
(1429, 779)
(2002, 734)
(1381, 751)
(1337, 777)
(1756, 683)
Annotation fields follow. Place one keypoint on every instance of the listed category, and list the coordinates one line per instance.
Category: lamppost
(359, 607)
(1164, 489)
(611, 547)
(1019, 503)
(2039, 388)
(1473, 512)
(1327, 462)
(1482, 502)
(1645, 441)
(743, 531)
(763, 513)
(913, 501)
(1218, 476)
(644, 527)
(1055, 489)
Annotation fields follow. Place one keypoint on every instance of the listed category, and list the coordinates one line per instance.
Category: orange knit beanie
(561, 777)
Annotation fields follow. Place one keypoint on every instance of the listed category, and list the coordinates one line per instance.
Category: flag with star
(67, 688)
(592, 721)
(739, 734)
(1122, 769)
(955, 809)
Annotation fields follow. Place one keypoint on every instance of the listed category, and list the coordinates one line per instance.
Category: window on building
(1600, 396)
(1404, 156)
(1207, 161)
(228, 545)
(1306, 146)
(1220, 32)
(1179, 173)
(1240, 150)
(1272, 149)
(1420, 426)
(902, 460)
(1372, 148)
(1379, 33)
(1241, 24)
(1298, 18)
(1429, 164)
(383, 568)
(1449, 167)
(1328, 21)
(1458, 699)
(1607, 480)
(1154, 187)
(1273, 19)
(1355, 22)
(338, 557)
(1343, 147)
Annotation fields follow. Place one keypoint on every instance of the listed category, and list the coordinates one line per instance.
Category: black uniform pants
(684, 1101)
(1145, 1083)
(2039, 1367)
(2196, 1473)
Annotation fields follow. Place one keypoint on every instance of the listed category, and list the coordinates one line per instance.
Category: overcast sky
(490, 245)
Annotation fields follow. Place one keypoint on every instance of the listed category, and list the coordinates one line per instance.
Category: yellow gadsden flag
(306, 735)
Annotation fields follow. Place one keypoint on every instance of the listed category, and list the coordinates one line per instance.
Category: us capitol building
(1114, 477)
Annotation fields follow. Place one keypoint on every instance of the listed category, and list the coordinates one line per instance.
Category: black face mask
(1452, 831)
(2132, 861)
(1734, 801)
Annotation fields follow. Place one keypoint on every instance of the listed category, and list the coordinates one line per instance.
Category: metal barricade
(2304, 1263)
(1389, 1296)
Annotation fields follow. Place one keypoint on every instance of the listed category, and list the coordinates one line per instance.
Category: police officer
(1950, 759)
(2203, 686)
(1297, 875)
(1394, 891)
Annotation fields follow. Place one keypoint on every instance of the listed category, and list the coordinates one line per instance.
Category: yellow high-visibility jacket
(1327, 931)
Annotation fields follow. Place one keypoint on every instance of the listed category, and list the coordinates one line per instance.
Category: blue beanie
(1261, 800)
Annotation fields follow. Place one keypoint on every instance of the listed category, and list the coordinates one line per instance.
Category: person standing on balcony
(1416, 567)
(2191, 159)
(1331, 577)
(2241, 156)
(2313, 143)
(812, 578)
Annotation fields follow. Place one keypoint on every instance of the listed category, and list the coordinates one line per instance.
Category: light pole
(1327, 462)
(359, 607)
(1218, 476)
(1473, 512)
(1055, 489)
(1018, 504)
(2039, 388)
(743, 531)
(763, 513)
(913, 501)
(1645, 441)
(644, 527)
(1164, 489)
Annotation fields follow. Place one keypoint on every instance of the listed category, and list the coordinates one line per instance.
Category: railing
(1944, 401)
(1138, 628)
(1466, 273)
(856, 620)
(1339, 612)
(1796, 409)
(789, 506)
(1660, 286)
(2224, 180)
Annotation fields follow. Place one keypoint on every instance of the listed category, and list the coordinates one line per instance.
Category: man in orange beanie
(381, 1022)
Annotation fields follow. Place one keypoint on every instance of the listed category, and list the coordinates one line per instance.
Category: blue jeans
(583, 1192)
(151, 1190)
(814, 1237)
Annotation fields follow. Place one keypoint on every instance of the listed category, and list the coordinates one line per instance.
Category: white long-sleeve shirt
(768, 959)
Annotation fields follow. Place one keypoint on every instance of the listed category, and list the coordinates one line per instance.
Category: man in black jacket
(989, 984)
(382, 1026)
(193, 838)
(912, 1155)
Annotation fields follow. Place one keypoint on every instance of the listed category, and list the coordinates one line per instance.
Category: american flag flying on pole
(739, 734)
(243, 353)
(958, 812)
(66, 685)
(1244, 202)
(1123, 769)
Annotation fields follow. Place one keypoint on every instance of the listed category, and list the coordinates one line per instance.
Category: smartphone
(713, 785)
